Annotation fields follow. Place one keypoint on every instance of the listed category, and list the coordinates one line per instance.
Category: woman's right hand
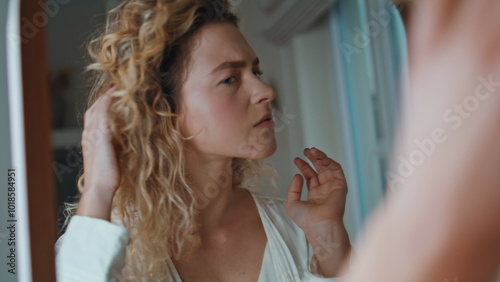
(102, 175)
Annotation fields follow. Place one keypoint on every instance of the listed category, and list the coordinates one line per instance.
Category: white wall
(302, 72)
(270, 57)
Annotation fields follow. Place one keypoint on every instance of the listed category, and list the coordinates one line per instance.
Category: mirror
(310, 56)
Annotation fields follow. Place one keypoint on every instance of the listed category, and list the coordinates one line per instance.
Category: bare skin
(233, 252)
(222, 99)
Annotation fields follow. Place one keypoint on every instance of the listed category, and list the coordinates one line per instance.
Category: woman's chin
(263, 151)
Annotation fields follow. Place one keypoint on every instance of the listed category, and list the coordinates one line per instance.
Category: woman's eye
(258, 73)
(234, 79)
(229, 80)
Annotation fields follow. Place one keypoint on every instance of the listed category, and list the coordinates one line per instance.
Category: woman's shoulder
(273, 209)
(270, 199)
(270, 203)
(281, 227)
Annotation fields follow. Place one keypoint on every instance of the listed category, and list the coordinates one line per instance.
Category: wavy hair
(144, 50)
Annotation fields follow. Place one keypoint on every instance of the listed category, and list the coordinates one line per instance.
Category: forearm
(332, 248)
(96, 203)
(443, 222)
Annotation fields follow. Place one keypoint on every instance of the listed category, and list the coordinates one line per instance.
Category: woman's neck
(211, 179)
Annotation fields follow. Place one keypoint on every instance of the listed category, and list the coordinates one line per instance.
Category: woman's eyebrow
(233, 65)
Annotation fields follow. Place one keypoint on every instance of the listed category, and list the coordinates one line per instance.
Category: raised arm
(100, 165)
(93, 249)
(440, 223)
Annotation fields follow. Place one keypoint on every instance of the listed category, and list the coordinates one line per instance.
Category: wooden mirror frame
(38, 144)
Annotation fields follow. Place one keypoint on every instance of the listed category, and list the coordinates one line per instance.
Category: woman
(170, 150)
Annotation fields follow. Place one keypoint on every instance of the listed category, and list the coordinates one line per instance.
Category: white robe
(94, 249)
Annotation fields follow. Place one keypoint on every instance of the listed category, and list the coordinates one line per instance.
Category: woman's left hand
(327, 191)
(321, 215)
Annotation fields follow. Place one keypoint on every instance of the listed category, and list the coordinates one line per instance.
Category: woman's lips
(266, 123)
(268, 116)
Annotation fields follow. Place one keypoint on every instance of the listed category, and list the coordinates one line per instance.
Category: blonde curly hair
(144, 50)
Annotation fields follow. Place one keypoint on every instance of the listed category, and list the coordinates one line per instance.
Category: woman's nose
(262, 92)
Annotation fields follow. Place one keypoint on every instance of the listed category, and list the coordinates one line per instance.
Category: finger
(321, 161)
(333, 183)
(295, 189)
(98, 103)
(103, 102)
(98, 110)
(308, 172)
(103, 96)
(101, 106)
(434, 17)
(484, 25)
(430, 22)
(315, 153)
(97, 114)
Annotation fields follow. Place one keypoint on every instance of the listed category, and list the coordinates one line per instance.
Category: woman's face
(223, 97)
